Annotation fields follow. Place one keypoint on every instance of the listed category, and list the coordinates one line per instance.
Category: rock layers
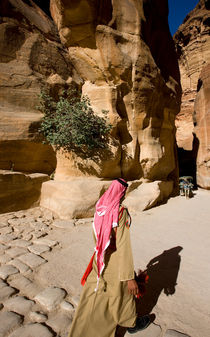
(202, 127)
(193, 49)
(122, 56)
(125, 56)
(31, 57)
(120, 49)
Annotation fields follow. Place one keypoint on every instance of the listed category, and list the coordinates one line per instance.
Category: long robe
(99, 312)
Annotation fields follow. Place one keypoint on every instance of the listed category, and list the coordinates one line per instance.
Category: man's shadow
(163, 272)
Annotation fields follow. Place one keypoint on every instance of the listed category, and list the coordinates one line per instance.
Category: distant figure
(108, 296)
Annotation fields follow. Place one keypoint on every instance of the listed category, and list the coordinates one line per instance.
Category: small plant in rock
(70, 123)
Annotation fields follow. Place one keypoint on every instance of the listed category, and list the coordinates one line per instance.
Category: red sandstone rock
(30, 54)
(202, 128)
(124, 53)
(193, 44)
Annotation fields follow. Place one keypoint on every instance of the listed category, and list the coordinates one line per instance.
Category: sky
(178, 9)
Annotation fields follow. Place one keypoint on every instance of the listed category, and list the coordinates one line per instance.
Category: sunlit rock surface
(30, 54)
(202, 129)
(125, 55)
(121, 54)
(193, 50)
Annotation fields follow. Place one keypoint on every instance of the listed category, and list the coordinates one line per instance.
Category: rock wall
(31, 57)
(125, 55)
(122, 55)
(202, 127)
(193, 49)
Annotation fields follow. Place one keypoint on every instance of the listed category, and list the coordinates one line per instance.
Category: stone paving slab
(6, 216)
(39, 234)
(4, 258)
(20, 282)
(2, 248)
(22, 267)
(6, 291)
(153, 330)
(50, 298)
(37, 317)
(14, 222)
(67, 307)
(5, 238)
(38, 249)
(64, 224)
(25, 286)
(6, 271)
(18, 230)
(84, 221)
(20, 243)
(75, 300)
(39, 225)
(60, 323)
(32, 260)
(27, 237)
(5, 230)
(45, 241)
(28, 231)
(16, 251)
(8, 322)
(32, 290)
(19, 304)
(32, 330)
(3, 223)
(2, 283)
(174, 333)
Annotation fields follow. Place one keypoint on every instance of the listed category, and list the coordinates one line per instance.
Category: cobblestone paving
(26, 308)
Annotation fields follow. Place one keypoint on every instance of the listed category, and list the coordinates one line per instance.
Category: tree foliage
(71, 124)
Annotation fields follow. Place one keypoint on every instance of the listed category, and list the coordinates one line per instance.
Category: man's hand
(133, 287)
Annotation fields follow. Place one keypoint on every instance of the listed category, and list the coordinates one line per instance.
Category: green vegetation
(70, 123)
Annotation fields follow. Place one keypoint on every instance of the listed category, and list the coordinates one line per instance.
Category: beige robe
(99, 312)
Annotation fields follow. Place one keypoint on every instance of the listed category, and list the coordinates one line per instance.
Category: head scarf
(106, 217)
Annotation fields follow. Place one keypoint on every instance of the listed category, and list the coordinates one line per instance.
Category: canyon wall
(121, 54)
(124, 53)
(30, 57)
(192, 42)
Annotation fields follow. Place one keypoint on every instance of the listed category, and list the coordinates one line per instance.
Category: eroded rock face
(202, 128)
(31, 58)
(19, 190)
(122, 56)
(193, 49)
(125, 55)
(193, 44)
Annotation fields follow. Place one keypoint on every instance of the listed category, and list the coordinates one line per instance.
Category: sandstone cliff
(125, 55)
(202, 127)
(122, 55)
(30, 58)
(193, 49)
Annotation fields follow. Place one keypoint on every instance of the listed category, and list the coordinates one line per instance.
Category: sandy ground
(179, 285)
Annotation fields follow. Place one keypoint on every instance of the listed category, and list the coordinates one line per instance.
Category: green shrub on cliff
(71, 124)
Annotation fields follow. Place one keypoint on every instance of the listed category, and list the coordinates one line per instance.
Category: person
(108, 296)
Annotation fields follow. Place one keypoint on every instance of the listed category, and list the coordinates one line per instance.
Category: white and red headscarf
(106, 218)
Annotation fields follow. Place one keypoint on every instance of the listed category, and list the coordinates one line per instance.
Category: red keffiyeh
(106, 218)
